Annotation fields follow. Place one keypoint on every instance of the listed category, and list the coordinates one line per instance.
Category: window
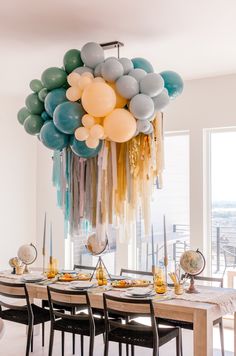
(171, 201)
(222, 199)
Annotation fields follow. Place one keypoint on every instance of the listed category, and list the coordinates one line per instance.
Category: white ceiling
(195, 38)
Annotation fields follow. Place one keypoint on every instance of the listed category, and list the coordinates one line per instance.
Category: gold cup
(179, 289)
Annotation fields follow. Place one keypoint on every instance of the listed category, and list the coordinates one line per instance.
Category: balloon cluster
(92, 98)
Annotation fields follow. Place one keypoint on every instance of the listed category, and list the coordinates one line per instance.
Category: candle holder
(160, 285)
(52, 267)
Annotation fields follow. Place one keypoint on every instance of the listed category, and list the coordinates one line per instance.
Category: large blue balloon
(81, 149)
(143, 64)
(67, 116)
(52, 138)
(173, 83)
(53, 99)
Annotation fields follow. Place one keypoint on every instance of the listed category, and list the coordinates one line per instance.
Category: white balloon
(161, 101)
(127, 86)
(138, 73)
(81, 70)
(152, 84)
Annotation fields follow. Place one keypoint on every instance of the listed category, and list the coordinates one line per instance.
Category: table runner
(225, 298)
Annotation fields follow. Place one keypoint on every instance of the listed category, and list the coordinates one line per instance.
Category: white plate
(126, 294)
(140, 291)
(33, 278)
(82, 285)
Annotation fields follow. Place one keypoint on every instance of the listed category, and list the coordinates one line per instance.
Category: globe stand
(192, 288)
(100, 264)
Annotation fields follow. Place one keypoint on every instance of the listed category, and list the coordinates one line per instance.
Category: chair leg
(82, 344)
(73, 335)
(120, 349)
(29, 337)
(132, 350)
(127, 349)
(221, 328)
(62, 343)
(91, 345)
(179, 346)
(51, 342)
(32, 341)
(106, 347)
(43, 333)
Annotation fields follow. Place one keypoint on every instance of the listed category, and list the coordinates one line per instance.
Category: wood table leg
(203, 334)
(230, 279)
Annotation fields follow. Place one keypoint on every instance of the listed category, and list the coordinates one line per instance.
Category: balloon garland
(102, 119)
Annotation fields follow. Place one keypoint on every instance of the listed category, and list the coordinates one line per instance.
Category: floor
(14, 339)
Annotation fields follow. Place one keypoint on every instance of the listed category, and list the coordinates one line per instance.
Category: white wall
(17, 181)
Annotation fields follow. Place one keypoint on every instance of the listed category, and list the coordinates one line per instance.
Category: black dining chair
(82, 322)
(27, 314)
(136, 273)
(134, 333)
(188, 325)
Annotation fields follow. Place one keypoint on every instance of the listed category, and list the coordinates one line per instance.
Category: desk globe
(97, 248)
(27, 254)
(193, 263)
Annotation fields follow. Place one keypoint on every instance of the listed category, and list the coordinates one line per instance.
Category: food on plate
(126, 283)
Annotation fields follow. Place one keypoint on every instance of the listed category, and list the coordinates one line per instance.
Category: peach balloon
(73, 79)
(97, 131)
(88, 121)
(92, 142)
(84, 82)
(73, 93)
(120, 101)
(120, 125)
(98, 99)
(87, 74)
(99, 79)
(81, 134)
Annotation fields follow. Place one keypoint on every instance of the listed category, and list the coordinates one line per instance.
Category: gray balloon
(98, 70)
(127, 86)
(138, 73)
(141, 106)
(92, 54)
(161, 101)
(108, 58)
(127, 64)
(152, 84)
(111, 70)
(81, 70)
(143, 125)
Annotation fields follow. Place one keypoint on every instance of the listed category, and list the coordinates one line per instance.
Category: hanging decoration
(103, 119)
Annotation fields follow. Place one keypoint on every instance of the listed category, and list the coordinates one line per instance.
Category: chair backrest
(218, 280)
(134, 272)
(69, 298)
(15, 291)
(129, 309)
(229, 255)
(84, 268)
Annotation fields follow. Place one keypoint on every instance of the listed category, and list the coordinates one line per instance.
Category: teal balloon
(36, 85)
(142, 63)
(53, 78)
(80, 148)
(33, 124)
(45, 116)
(22, 115)
(53, 99)
(52, 138)
(33, 104)
(72, 60)
(42, 94)
(67, 117)
(173, 83)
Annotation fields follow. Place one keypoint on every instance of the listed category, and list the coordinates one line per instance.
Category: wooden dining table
(202, 315)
